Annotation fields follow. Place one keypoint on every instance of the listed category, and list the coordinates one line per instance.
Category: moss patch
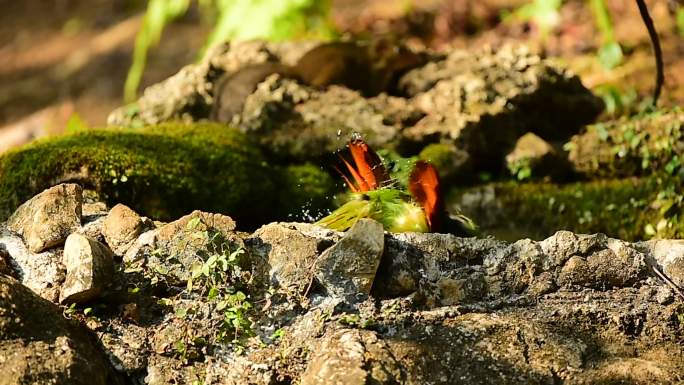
(161, 171)
(638, 145)
(630, 209)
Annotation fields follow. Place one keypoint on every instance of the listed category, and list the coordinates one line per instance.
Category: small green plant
(75, 124)
(543, 13)
(521, 169)
(218, 279)
(610, 52)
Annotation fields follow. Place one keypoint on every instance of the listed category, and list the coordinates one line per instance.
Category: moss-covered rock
(452, 162)
(631, 209)
(630, 146)
(161, 171)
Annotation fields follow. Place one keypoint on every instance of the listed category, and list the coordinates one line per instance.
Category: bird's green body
(389, 206)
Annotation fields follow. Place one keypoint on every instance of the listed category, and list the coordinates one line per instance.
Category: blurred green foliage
(610, 52)
(543, 13)
(233, 19)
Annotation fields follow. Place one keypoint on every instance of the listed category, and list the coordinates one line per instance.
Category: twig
(655, 42)
(668, 281)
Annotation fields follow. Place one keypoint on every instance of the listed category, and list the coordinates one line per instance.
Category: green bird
(374, 195)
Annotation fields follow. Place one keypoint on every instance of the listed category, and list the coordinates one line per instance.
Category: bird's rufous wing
(367, 170)
(425, 189)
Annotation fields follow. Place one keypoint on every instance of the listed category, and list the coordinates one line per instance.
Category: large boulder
(39, 346)
(480, 100)
(484, 100)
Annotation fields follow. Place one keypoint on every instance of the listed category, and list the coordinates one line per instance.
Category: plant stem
(655, 42)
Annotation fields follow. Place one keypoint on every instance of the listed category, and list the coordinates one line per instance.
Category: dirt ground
(66, 56)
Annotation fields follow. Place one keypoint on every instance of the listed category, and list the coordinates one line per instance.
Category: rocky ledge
(195, 301)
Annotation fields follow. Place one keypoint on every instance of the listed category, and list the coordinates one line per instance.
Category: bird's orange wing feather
(425, 189)
(367, 170)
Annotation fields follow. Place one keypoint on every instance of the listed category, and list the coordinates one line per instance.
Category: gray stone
(484, 99)
(350, 357)
(288, 253)
(348, 268)
(121, 227)
(538, 156)
(669, 255)
(90, 269)
(48, 218)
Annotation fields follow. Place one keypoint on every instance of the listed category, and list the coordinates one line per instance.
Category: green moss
(631, 146)
(161, 171)
(452, 163)
(630, 209)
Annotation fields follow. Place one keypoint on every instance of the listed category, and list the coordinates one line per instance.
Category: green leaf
(75, 124)
(213, 293)
(159, 13)
(181, 312)
(543, 13)
(610, 55)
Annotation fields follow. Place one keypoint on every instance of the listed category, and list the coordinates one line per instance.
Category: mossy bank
(630, 208)
(165, 171)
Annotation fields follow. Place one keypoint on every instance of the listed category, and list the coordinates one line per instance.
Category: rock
(48, 218)
(669, 255)
(39, 346)
(289, 251)
(443, 309)
(533, 157)
(43, 272)
(90, 269)
(481, 101)
(187, 95)
(347, 269)
(121, 227)
(94, 209)
(295, 120)
(348, 357)
(484, 100)
(441, 267)
(171, 249)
